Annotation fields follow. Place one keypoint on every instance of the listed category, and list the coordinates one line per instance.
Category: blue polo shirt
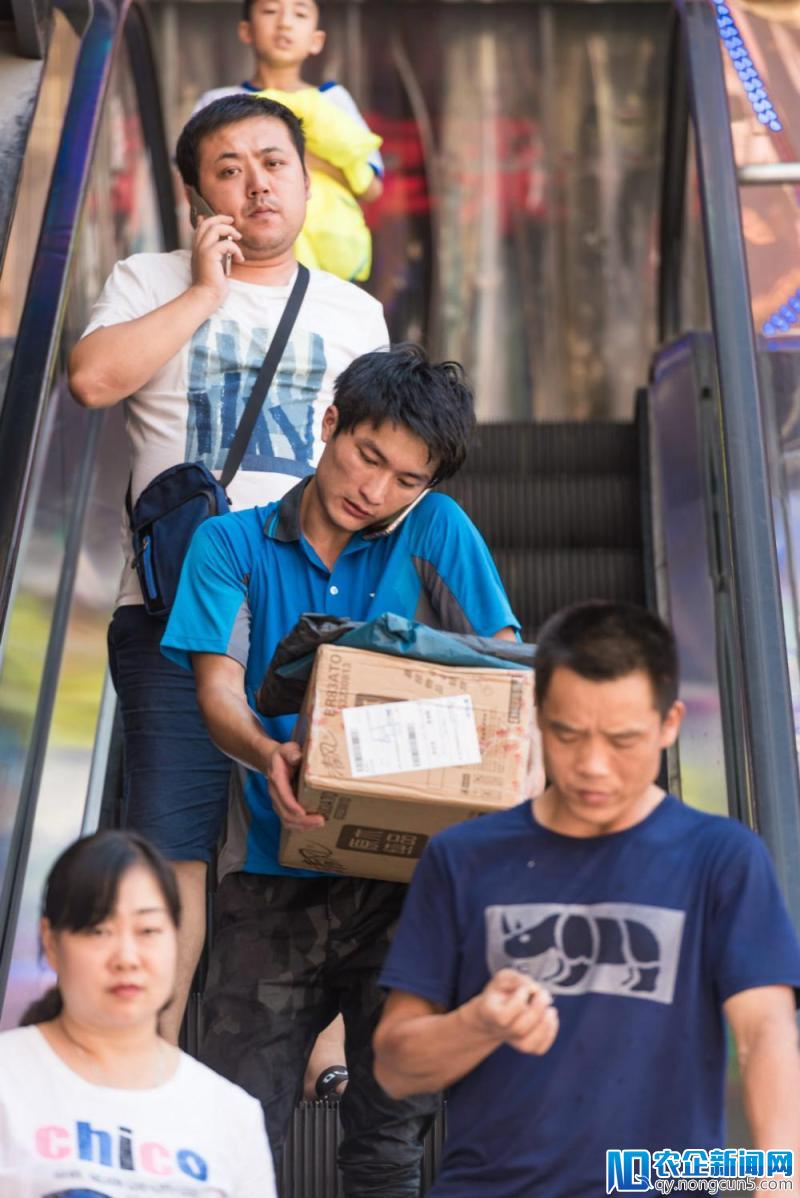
(248, 577)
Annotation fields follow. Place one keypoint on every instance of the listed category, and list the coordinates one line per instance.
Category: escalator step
(309, 1160)
(539, 583)
(552, 511)
(566, 448)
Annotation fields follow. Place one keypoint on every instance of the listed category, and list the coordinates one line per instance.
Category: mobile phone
(385, 527)
(199, 207)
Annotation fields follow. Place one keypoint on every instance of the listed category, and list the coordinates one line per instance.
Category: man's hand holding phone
(214, 246)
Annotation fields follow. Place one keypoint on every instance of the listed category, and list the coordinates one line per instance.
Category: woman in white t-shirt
(93, 1102)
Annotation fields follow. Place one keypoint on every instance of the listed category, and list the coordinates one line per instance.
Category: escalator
(684, 498)
(561, 507)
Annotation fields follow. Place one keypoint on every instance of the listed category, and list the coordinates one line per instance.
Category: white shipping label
(420, 734)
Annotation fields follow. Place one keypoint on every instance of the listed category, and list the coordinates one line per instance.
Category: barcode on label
(413, 734)
(414, 748)
(355, 747)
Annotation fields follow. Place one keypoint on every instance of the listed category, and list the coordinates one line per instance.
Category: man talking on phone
(359, 538)
(180, 338)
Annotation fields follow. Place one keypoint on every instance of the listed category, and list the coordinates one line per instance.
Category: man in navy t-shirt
(292, 947)
(565, 966)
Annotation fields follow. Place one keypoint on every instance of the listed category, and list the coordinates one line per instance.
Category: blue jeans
(176, 780)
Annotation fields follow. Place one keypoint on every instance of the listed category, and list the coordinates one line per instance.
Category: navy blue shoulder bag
(170, 508)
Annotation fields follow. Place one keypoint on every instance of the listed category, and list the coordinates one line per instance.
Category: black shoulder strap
(261, 386)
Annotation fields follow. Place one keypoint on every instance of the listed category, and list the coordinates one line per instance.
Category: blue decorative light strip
(742, 63)
(786, 316)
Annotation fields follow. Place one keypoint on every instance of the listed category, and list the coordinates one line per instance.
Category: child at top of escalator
(344, 164)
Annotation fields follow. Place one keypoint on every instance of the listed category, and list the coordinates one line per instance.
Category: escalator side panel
(686, 588)
(780, 390)
(52, 693)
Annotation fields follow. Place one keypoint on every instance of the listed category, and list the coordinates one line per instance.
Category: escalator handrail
(36, 345)
(31, 375)
(139, 40)
(673, 189)
(772, 749)
(37, 341)
(34, 362)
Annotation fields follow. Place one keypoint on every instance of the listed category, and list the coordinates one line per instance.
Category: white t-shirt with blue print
(248, 577)
(189, 410)
(194, 1136)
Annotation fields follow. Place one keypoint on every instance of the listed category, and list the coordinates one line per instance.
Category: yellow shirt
(335, 236)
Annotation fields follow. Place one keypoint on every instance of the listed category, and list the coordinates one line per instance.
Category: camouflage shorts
(287, 954)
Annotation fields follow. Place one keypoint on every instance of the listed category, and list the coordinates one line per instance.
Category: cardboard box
(470, 731)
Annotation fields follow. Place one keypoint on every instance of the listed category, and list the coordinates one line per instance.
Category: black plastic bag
(284, 684)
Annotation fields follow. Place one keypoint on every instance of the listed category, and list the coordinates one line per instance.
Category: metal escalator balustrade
(756, 677)
(559, 506)
(58, 548)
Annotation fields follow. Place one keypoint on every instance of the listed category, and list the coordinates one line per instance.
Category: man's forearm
(427, 1053)
(771, 1082)
(115, 361)
(237, 731)
(235, 728)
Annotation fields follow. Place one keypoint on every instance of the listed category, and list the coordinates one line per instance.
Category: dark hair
(228, 111)
(401, 385)
(602, 641)
(81, 891)
(248, 4)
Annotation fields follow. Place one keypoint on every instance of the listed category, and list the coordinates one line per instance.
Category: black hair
(228, 111)
(248, 4)
(81, 891)
(602, 641)
(401, 385)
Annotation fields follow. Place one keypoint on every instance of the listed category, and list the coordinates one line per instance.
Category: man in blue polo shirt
(291, 947)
